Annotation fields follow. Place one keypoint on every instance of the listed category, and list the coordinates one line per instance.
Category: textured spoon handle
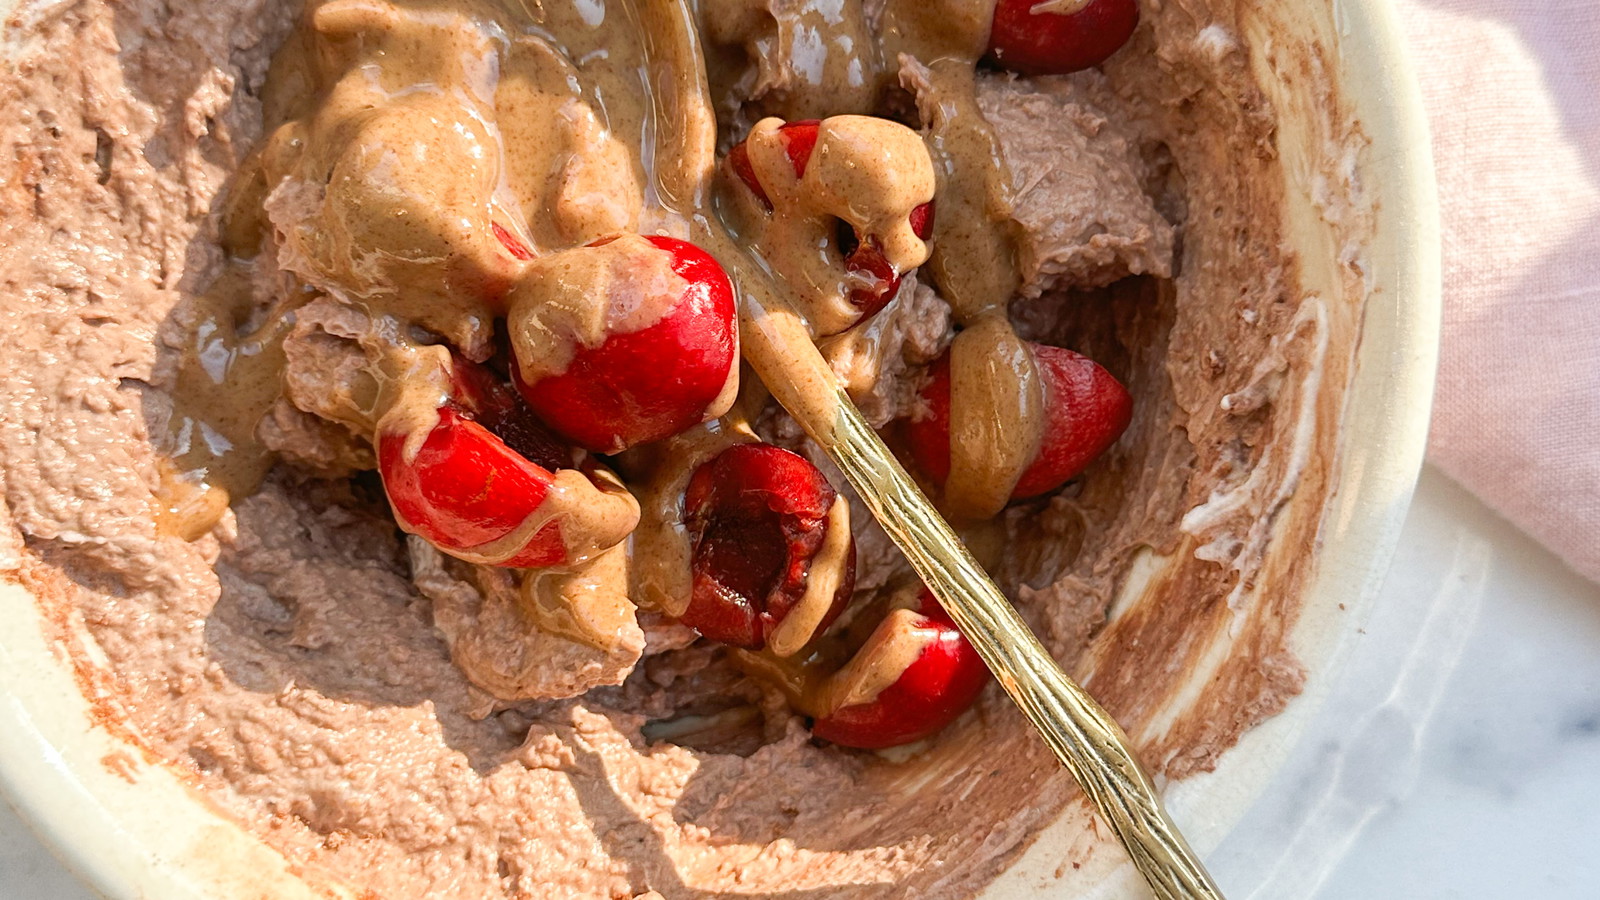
(1081, 733)
(1083, 736)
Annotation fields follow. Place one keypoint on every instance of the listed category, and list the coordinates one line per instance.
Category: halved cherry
(863, 256)
(1059, 36)
(652, 383)
(479, 478)
(942, 680)
(1086, 410)
(758, 518)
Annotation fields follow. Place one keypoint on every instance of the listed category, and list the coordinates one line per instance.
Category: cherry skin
(655, 382)
(922, 221)
(739, 161)
(1086, 410)
(867, 257)
(757, 516)
(515, 247)
(799, 139)
(484, 469)
(466, 488)
(1044, 42)
(937, 687)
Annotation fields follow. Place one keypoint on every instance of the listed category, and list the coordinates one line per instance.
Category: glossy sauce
(404, 135)
(864, 172)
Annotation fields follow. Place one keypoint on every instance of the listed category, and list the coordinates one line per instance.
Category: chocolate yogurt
(247, 243)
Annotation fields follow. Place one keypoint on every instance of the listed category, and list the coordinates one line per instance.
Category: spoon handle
(1079, 731)
(1082, 735)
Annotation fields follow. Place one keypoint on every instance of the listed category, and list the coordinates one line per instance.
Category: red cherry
(517, 248)
(922, 221)
(757, 516)
(483, 470)
(799, 139)
(864, 257)
(1042, 42)
(465, 488)
(653, 383)
(1086, 409)
(867, 258)
(938, 686)
(739, 161)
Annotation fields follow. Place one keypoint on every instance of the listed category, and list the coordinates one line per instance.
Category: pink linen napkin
(1513, 95)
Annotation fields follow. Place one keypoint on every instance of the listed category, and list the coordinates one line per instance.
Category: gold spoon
(778, 346)
(1079, 731)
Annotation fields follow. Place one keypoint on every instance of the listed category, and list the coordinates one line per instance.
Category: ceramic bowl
(132, 828)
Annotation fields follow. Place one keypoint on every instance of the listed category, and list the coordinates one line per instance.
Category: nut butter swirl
(996, 408)
(930, 49)
(582, 121)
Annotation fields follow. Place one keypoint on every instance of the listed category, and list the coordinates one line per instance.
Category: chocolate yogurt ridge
(186, 412)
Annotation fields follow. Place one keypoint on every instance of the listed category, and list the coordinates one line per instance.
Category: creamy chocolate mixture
(190, 384)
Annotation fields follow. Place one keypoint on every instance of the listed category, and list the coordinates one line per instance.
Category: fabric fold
(1512, 89)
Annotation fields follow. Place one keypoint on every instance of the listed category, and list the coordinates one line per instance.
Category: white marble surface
(1459, 757)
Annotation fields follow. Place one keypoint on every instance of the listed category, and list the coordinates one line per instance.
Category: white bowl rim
(1397, 362)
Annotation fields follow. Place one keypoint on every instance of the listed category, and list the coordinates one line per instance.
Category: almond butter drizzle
(895, 644)
(581, 120)
(588, 604)
(822, 582)
(996, 412)
(817, 684)
(662, 554)
(994, 416)
(593, 518)
(213, 456)
(829, 48)
(865, 171)
(577, 298)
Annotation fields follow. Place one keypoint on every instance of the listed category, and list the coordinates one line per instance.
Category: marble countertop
(1459, 756)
